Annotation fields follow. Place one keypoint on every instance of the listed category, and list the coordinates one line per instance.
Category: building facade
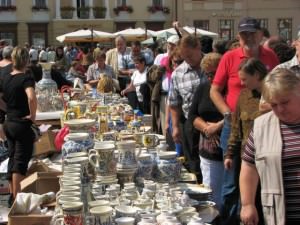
(280, 17)
(39, 22)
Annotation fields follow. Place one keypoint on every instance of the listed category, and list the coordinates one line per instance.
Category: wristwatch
(227, 116)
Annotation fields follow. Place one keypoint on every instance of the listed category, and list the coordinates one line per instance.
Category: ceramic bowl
(80, 124)
(125, 211)
(125, 220)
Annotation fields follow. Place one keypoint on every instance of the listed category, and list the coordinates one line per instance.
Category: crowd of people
(229, 107)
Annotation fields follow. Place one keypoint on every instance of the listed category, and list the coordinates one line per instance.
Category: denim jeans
(212, 171)
(230, 189)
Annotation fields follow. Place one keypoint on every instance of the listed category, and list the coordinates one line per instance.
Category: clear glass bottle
(46, 91)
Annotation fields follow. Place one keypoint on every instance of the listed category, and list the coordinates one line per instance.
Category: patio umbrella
(200, 32)
(188, 30)
(85, 36)
(135, 34)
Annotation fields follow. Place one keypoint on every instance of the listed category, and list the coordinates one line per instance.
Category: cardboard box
(41, 182)
(29, 219)
(45, 145)
(39, 166)
(4, 185)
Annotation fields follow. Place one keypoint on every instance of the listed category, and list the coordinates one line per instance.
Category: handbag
(209, 144)
(36, 131)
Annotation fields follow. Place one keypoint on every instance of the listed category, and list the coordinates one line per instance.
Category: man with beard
(227, 80)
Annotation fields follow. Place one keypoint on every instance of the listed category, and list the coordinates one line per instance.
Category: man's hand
(249, 215)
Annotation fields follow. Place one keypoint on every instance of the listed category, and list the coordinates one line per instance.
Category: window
(202, 24)
(9, 37)
(226, 29)
(6, 2)
(40, 3)
(38, 34)
(284, 27)
(263, 23)
(8, 31)
(121, 2)
(157, 2)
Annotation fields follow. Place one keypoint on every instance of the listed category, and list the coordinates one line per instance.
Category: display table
(52, 118)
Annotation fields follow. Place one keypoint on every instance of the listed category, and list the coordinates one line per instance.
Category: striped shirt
(290, 167)
(184, 83)
(293, 65)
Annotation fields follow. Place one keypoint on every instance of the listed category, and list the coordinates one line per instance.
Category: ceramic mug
(72, 214)
(103, 160)
(138, 137)
(150, 140)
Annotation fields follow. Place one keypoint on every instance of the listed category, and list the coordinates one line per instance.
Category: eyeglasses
(178, 61)
(210, 75)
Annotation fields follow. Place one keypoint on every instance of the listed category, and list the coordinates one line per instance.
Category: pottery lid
(144, 156)
(75, 122)
(101, 210)
(103, 146)
(98, 203)
(126, 209)
(76, 136)
(167, 155)
(72, 205)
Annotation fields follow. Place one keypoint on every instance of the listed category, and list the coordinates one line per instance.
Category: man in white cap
(172, 42)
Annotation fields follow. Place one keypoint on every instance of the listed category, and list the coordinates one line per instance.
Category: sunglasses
(179, 61)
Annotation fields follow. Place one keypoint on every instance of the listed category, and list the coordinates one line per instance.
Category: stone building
(38, 22)
(280, 17)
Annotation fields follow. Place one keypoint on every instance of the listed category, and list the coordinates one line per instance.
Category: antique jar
(168, 167)
(145, 166)
(76, 142)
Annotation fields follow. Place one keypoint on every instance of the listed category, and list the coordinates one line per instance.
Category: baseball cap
(173, 39)
(249, 24)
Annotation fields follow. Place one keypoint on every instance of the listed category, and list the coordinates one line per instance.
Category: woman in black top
(19, 95)
(207, 119)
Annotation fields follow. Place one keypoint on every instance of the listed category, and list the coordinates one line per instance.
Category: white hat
(173, 39)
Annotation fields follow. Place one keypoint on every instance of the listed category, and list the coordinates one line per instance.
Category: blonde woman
(272, 154)
(19, 95)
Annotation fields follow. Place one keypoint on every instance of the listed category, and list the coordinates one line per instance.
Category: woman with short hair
(272, 154)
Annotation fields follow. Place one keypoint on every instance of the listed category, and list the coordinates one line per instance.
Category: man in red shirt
(227, 80)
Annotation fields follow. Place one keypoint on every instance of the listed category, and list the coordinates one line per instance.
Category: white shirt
(33, 53)
(43, 55)
(138, 79)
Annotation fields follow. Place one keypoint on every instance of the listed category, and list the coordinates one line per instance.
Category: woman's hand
(176, 134)
(211, 128)
(227, 164)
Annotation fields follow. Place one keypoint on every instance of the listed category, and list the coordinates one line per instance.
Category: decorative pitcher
(127, 155)
(102, 159)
